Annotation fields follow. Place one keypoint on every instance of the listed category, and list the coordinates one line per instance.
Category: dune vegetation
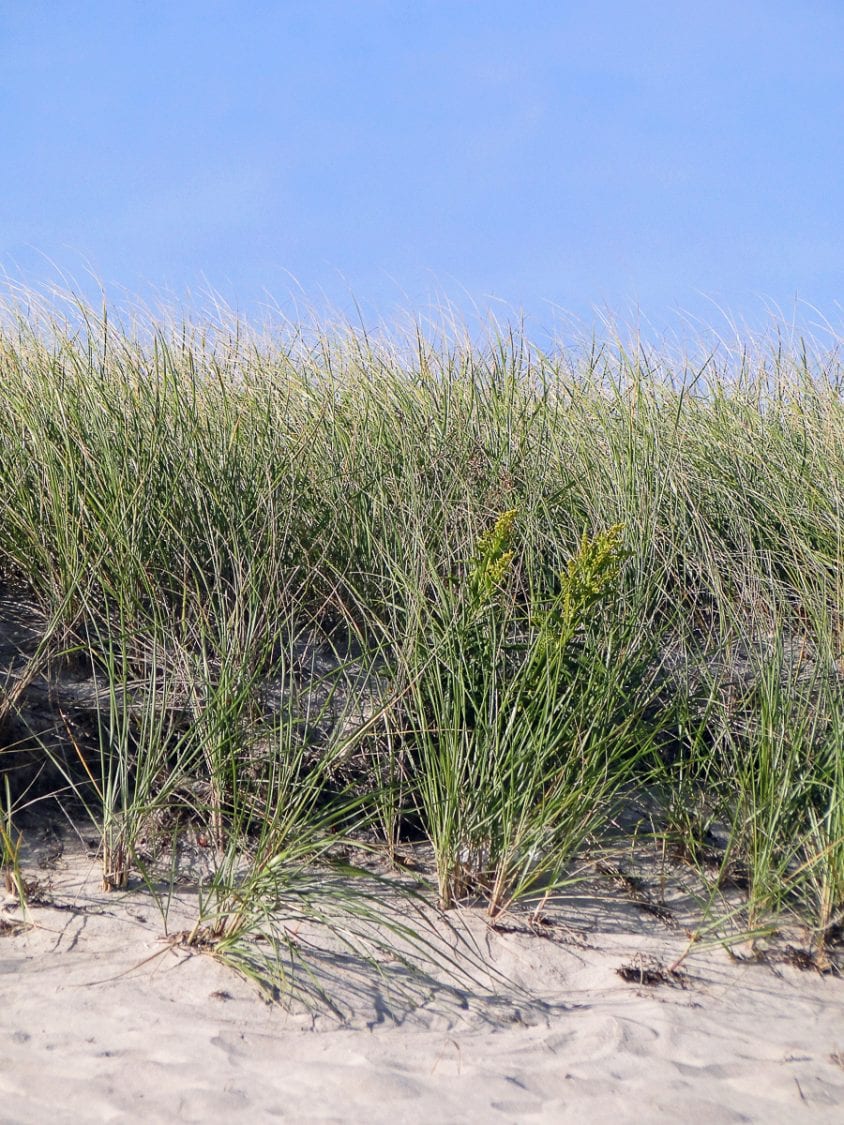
(333, 596)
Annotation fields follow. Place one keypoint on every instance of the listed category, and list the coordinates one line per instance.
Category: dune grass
(564, 582)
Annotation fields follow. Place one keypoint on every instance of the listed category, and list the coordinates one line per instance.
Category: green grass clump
(513, 766)
(571, 581)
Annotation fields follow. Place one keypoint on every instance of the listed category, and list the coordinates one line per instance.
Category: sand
(102, 1020)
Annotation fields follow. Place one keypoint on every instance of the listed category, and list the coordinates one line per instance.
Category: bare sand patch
(104, 1018)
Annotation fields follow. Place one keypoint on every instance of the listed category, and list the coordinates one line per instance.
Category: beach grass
(339, 594)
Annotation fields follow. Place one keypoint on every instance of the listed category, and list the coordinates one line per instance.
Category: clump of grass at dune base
(567, 580)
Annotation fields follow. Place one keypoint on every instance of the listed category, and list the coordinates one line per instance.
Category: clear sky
(534, 155)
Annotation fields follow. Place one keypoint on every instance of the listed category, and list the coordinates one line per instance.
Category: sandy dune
(101, 1020)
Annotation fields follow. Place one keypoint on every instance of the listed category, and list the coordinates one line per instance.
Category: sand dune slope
(102, 1021)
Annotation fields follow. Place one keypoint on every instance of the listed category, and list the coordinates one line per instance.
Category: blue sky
(673, 158)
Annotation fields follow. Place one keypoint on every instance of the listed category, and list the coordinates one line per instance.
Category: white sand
(181, 1038)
